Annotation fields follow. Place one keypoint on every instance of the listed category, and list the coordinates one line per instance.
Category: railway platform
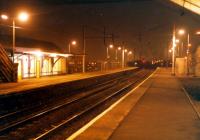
(34, 83)
(157, 109)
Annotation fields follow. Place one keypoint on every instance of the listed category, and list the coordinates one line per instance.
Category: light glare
(23, 16)
(111, 46)
(130, 52)
(4, 17)
(181, 31)
(177, 41)
(198, 32)
(73, 42)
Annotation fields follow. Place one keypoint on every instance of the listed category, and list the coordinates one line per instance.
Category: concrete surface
(26, 84)
(157, 110)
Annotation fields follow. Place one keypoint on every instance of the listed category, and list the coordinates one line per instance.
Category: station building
(36, 58)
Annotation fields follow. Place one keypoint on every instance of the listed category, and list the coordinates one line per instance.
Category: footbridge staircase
(8, 70)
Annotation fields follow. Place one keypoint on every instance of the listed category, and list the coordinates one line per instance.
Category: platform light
(38, 53)
(181, 32)
(130, 52)
(23, 16)
(198, 32)
(53, 55)
(110, 46)
(73, 42)
(4, 17)
(177, 40)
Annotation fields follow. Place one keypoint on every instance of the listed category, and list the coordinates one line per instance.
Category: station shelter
(38, 63)
(36, 58)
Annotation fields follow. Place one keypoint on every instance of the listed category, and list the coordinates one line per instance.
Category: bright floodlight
(198, 32)
(23, 16)
(111, 46)
(53, 55)
(73, 42)
(177, 40)
(38, 53)
(119, 48)
(130, 52)
(125, 50)
(4, 17)
(181, 31)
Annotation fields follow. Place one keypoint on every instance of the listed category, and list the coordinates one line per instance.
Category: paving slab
(161, 112)
(27, 84)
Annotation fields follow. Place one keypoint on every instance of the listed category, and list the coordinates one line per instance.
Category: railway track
(38, 107)
(48, 121)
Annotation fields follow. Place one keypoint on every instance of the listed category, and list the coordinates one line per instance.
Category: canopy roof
(192, 5)
(29, 44)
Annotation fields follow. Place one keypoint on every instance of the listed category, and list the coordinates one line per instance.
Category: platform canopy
(192, 5)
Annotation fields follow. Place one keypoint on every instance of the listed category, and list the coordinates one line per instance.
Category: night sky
(145, 25)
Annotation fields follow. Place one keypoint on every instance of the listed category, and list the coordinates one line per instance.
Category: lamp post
(123, 51)
(125, 58)
(69, 46)
(174, 41)
(109, 47)
(173, 51)
(116, 52)
(23, 16)
(13, 47)
(187, 52)
(129, 53)
(182, 32)
(178, 46)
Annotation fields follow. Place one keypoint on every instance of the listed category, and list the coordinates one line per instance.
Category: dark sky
(145, 25)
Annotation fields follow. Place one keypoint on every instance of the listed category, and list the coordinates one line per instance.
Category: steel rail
(56, 129)
(40, 114)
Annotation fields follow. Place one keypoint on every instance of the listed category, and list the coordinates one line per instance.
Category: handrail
(7, 70)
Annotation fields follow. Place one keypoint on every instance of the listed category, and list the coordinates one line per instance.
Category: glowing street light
(173, 50)
(4, 17)
(174, 41)
(129, 55)
(198, 32)
(22, 16)
(130, 52)
(177, 40)
(181, 32)
(71, 43)
(116, 52)
(109, 47)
